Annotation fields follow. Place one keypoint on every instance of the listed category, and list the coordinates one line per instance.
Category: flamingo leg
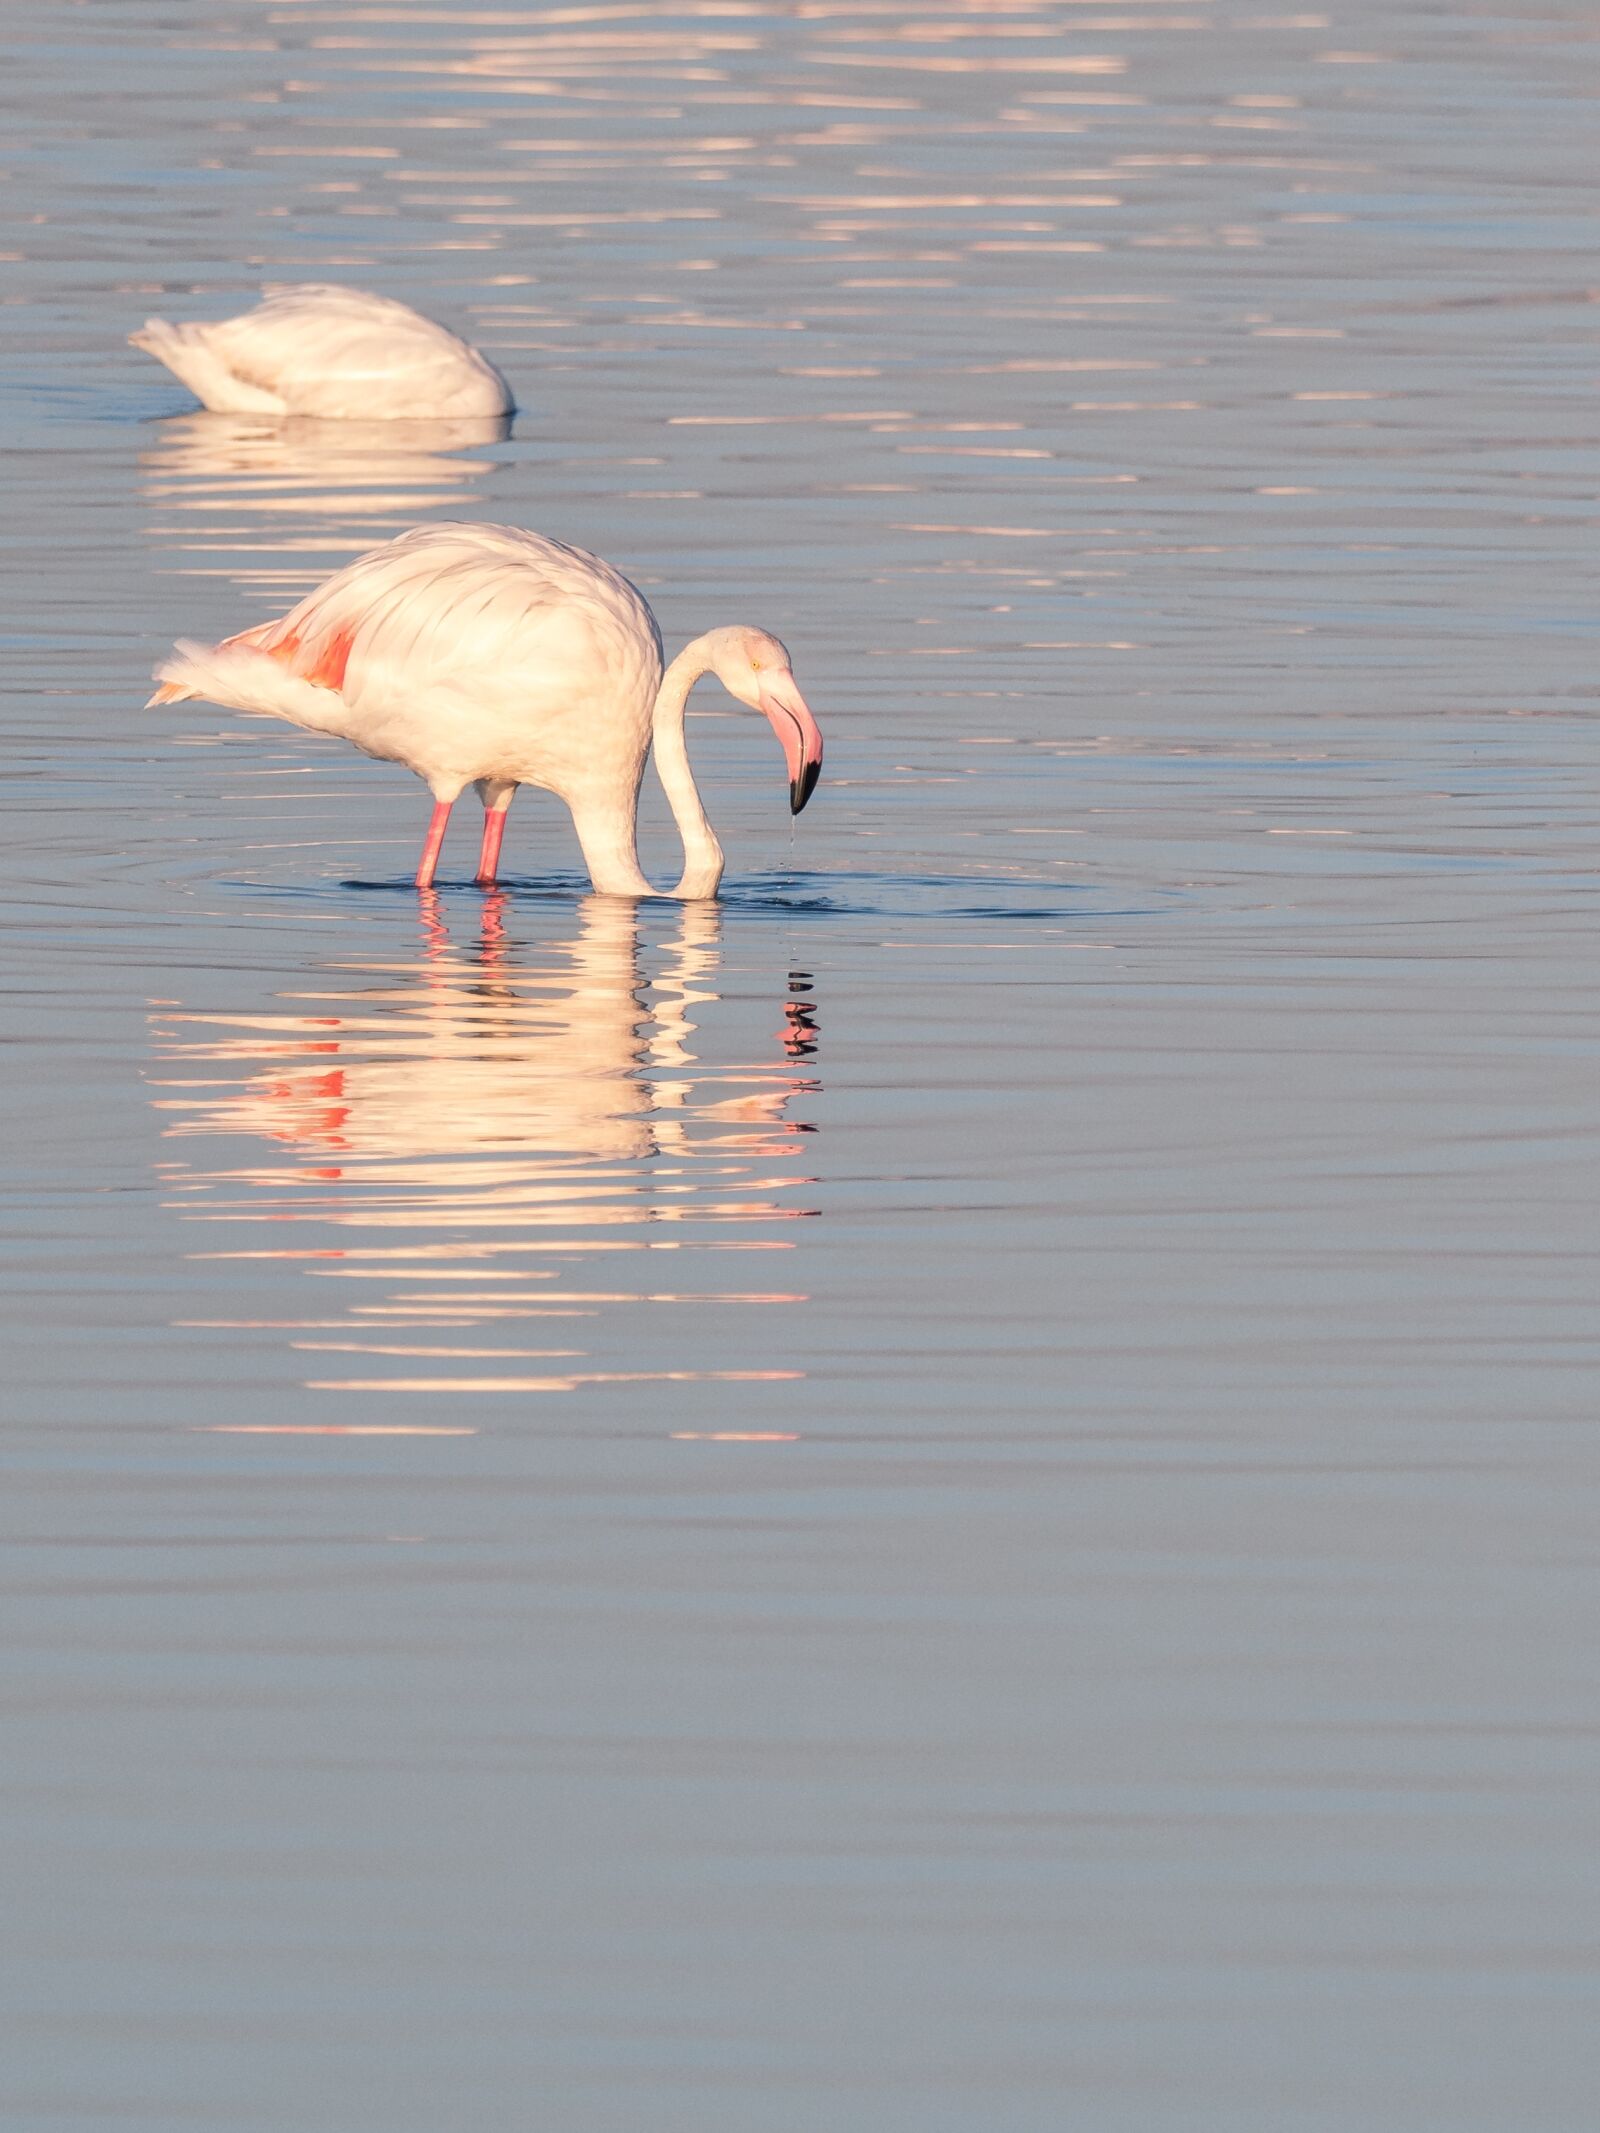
(494, 829)
(430, 851)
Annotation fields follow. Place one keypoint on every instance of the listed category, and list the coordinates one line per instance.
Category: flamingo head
(754, 667)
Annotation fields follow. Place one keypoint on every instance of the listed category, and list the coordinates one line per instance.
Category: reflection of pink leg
(436, 940)
(430, 851)
(494, 829)
(492, 931)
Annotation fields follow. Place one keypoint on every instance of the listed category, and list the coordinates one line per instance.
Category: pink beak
(797, 731)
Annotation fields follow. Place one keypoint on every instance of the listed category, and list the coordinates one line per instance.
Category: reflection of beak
(797, 731)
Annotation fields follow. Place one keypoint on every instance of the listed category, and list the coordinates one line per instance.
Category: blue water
(960, 1494)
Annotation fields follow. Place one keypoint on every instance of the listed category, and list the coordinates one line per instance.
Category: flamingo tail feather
(245, 679)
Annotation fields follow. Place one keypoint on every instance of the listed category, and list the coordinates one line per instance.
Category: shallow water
(960, 1494)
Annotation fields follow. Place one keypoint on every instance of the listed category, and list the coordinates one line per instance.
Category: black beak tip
(803, 787)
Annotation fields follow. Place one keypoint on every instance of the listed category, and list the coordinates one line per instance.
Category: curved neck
(702, 855)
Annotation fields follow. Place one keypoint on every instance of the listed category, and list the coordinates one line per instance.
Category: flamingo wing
(448, 649)
(489, 608)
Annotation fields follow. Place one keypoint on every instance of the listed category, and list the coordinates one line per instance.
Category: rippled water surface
(960, 1494)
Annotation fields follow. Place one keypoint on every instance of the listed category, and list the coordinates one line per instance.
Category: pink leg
(494, 829)
(430, 850)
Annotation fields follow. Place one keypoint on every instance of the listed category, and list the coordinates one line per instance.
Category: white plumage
(321, 350)
(489, 656)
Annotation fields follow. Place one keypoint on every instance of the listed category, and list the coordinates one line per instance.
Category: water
(960, 1494)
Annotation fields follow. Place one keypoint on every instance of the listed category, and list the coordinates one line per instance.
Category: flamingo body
(464, 652)
(490, 656)
(320, 350)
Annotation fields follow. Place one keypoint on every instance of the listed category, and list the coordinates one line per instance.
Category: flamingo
(487, 656)
(316, 349)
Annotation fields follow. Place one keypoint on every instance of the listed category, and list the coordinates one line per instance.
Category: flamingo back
(492, 604)
(320, 350)
(464, 651)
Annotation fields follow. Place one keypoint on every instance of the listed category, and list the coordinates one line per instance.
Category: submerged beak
(797, 731)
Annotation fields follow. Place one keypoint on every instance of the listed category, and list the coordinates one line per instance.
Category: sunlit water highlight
(960, 1494)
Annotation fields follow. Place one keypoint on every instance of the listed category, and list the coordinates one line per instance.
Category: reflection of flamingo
(482, 1075)
(290, 464)
(275, 495)
(470, 1055)
(484, 655)
(326, 351)
(459, 1140)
